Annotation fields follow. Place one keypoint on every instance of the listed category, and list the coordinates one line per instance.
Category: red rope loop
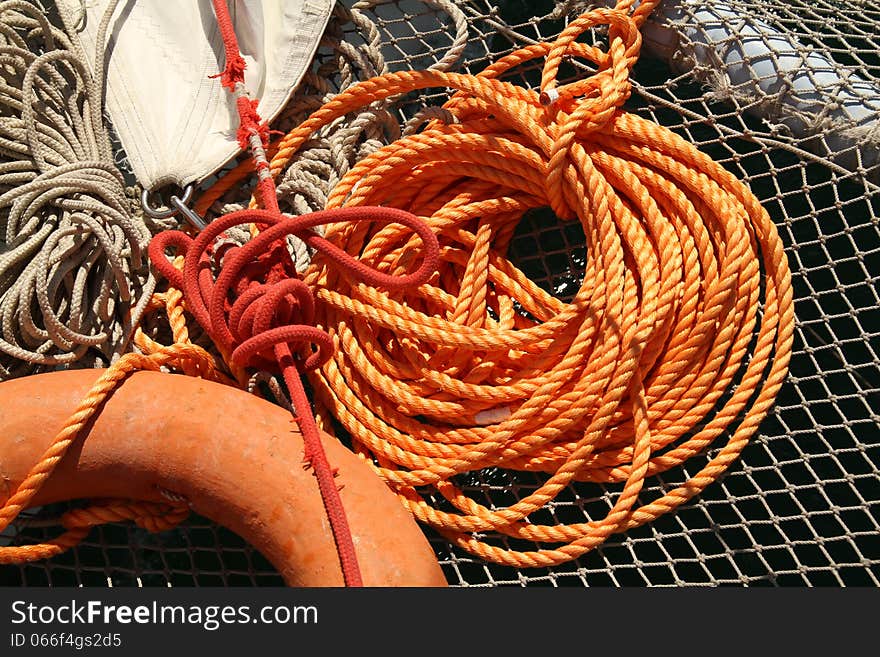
(257, 310)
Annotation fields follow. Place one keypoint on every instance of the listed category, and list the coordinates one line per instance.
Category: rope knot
(256, 309)
(250, 122)
(260, 315)
(609, 87)
(268, 317)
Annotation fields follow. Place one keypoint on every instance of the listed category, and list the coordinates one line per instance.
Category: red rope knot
(250, 122)
(256, 309)
(233, 71)
(268, 316)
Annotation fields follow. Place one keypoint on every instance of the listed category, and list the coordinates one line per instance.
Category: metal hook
(163, 212)
(176, 205)
(194, 220)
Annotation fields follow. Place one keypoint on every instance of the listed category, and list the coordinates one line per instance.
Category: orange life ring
(236, 458)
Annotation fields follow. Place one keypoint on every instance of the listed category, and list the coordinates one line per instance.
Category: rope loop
(575, 110)
(678, 334)
(613, 66)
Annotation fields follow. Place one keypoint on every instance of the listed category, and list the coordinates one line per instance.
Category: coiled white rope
(74, 274)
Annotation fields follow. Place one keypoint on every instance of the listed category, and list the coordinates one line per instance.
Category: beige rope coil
(73, 269)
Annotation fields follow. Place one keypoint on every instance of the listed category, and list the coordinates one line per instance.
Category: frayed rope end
(250, 122)
(233, 72)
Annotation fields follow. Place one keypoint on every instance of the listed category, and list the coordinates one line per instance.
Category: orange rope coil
(662, 350)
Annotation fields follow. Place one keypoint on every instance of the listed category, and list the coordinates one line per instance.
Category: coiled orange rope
(675, 338)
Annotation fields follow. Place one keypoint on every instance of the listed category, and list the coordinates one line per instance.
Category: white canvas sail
(176, 123)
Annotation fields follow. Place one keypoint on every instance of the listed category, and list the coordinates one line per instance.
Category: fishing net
(785, 95)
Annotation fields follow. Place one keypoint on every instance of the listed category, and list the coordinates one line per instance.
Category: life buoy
(235, 458)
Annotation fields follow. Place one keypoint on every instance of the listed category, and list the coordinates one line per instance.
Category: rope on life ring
(233, 458)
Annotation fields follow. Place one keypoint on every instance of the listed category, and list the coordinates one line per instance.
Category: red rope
(257, 309)
(235, 65)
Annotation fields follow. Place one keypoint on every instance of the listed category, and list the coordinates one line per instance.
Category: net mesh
(802, 504)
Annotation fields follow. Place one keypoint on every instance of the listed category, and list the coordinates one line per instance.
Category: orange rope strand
(660, 352)
(232, 178)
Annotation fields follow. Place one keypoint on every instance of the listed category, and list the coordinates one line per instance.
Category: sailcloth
(175, 122)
